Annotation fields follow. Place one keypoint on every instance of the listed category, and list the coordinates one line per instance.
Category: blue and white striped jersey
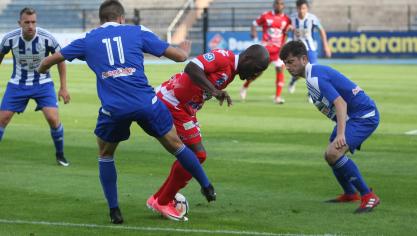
(325, 84)
(304, 28)
(27, 55)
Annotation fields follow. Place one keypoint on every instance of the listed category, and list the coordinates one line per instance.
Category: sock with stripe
(108, 179)
(1, 132)
(347, 168)
(58, 138)
(190, 162)
(178, 178)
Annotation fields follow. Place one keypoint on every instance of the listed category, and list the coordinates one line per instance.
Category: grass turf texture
(265, 160)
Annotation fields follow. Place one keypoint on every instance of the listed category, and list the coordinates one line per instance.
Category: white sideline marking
(154, 229)
(411, 132)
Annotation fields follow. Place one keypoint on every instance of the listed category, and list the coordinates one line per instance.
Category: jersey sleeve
(54, 47)
(260, 20)
(211, 62)
(5, 45)
(316, 22)
(152, 44)
(76, 49)
(328, 91)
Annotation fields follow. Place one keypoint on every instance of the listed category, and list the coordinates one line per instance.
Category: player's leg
(345, 169)
(57, 133)
(279, 81)
(158, 123)
(244, 89)
(189, 132)
(14, 100)
(110, 132)
(108, 178)
(5, 118)
(46, 100)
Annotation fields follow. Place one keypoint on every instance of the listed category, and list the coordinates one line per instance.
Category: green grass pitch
(265, 160)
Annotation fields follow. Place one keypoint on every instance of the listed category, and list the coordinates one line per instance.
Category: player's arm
(198, 77)
(49, 61)
(326, 47)
(63, 92)
(341, 116)
(180, 53)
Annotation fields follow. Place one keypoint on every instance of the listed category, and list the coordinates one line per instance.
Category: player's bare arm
(341, 116)
(253, 32)
(180, 53)
(49, 61)
(199, 78)
(326, 47)
(63, 92)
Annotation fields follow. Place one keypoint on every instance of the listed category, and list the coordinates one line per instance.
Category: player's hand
(327, 52)
(63, 93)
(340, 141)
(186, 46)
(223, 95)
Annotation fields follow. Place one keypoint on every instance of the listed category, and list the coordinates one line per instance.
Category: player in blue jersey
(354, 112)
(29, 45)
(114, 52)
(303, 25)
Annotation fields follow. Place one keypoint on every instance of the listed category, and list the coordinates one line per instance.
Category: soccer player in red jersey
(185, 93)
(275, 25)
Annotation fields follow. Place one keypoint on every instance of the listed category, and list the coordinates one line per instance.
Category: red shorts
(274, 55)
(187, 126)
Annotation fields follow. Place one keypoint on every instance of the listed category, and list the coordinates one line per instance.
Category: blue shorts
(16, 97)
(357, 131)
(155, 120)
(312, 56)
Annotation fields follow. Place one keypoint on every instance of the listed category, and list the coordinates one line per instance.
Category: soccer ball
(181, 204)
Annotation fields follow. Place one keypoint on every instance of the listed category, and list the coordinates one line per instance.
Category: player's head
(111, 10)
(252, 62)
(278, 6)
(294, 55)
(27, 22)
(302, 8)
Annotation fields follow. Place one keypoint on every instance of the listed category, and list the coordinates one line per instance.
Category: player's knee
(201, 155)
(5, 118)
(331, 156)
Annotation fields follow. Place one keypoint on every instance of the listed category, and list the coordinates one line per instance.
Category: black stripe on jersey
(34, 42)
(22, 46)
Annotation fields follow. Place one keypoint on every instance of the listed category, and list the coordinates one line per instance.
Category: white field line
(411, 132)
(149, 229)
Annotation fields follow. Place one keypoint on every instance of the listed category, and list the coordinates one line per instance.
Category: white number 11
(118, 41)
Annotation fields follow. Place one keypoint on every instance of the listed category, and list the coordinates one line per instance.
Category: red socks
(178, 178)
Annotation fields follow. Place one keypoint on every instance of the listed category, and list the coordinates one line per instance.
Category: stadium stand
(366, 15)
(57, 15)
(156, 15)
(231, 15)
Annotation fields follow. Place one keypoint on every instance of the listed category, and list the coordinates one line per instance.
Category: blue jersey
(27, 55)
(115, 53)
(326, 84)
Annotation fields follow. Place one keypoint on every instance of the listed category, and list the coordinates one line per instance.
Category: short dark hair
(295, 48)
(27, 11)
(299, 3)
(110, 10)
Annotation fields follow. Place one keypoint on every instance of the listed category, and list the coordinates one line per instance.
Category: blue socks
(1, 132)
(108, 179)
(349, 174)
(58, 138)
(346, 185)
(190, 162)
